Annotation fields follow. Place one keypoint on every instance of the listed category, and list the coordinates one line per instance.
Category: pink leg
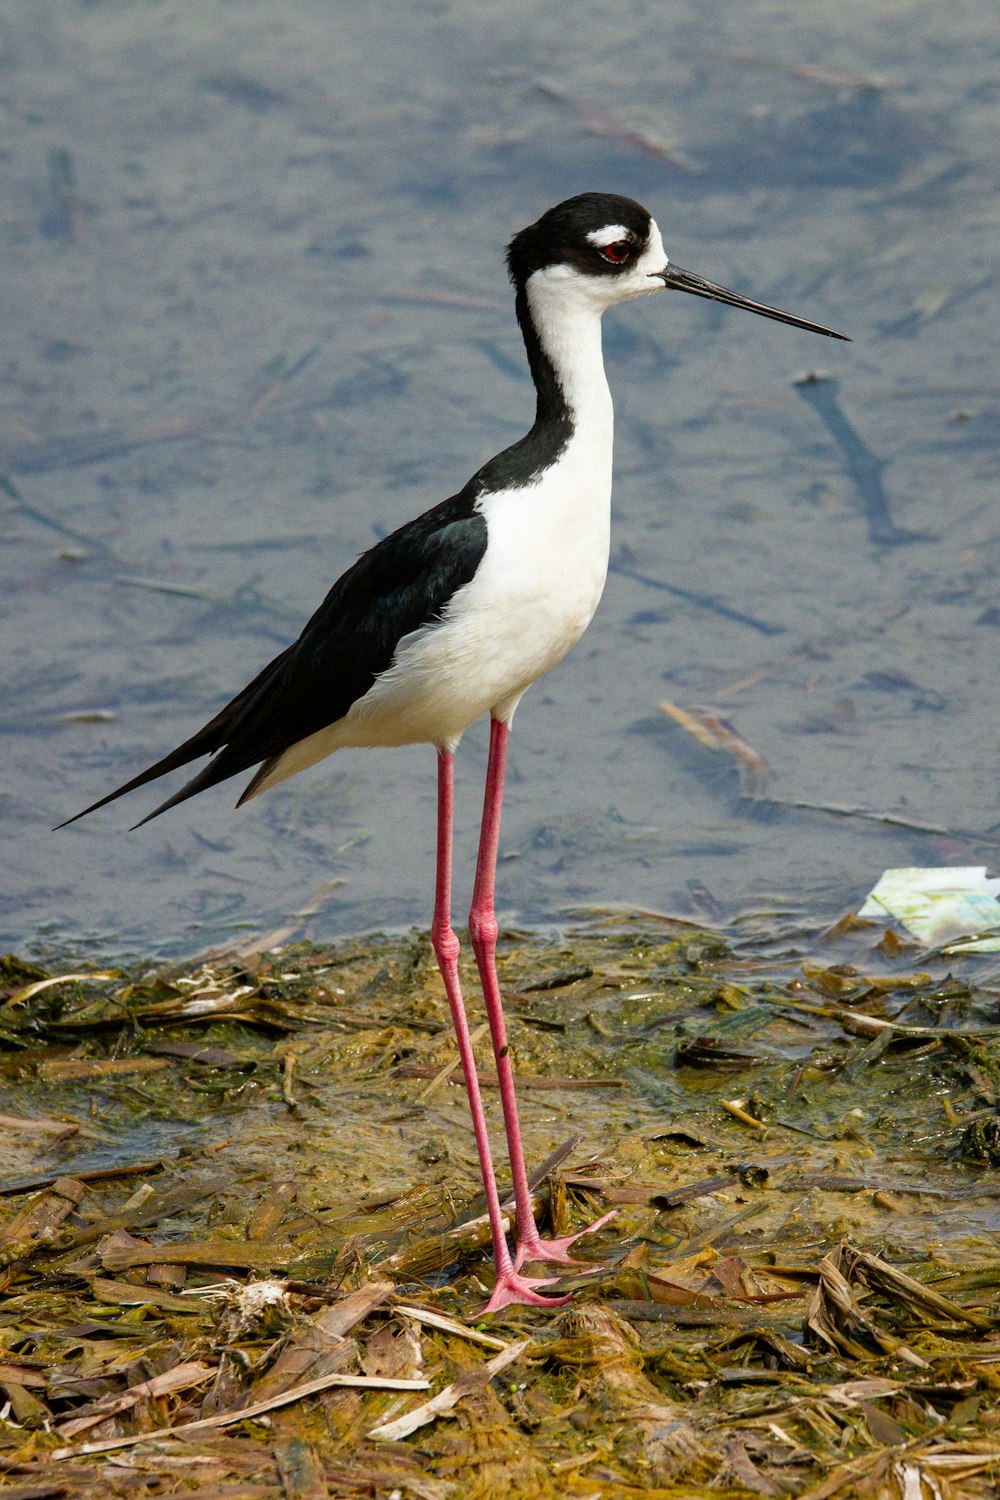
(483, 932)
(510, 1285)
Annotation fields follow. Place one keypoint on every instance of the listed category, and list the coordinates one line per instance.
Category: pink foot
(514, 1288)
(531, 1246)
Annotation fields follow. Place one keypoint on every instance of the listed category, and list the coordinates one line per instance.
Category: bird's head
(599, 248)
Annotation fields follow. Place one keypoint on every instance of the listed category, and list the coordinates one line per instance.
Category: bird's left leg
(510, 1286)
(483, 932)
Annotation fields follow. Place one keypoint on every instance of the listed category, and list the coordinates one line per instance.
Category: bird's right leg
(483, 931)
(510, 1286)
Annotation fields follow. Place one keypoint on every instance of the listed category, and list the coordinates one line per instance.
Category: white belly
(533, 596)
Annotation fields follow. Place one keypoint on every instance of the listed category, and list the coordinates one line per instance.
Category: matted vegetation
(242, 1255)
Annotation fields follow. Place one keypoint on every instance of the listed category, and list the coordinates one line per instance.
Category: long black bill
(686, 281)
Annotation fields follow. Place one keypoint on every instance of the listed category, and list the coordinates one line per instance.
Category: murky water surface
(255, 317)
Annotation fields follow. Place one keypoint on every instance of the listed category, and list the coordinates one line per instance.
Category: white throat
(567, 319)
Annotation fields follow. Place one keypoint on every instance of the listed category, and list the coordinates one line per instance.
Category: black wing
(402, 583)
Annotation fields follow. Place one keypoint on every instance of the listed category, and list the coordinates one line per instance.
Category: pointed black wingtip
(217, 770)
(181, 796)
(103, 802)
(189, 789)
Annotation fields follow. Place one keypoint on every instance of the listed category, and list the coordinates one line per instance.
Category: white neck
(567, 320)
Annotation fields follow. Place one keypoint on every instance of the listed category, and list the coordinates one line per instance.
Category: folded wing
(404, 582)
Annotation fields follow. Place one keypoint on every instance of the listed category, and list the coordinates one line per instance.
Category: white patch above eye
(608, 235)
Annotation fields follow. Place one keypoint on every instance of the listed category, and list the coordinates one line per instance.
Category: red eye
(617, 252)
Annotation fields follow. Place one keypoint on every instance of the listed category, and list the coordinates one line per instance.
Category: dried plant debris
(242, 1252)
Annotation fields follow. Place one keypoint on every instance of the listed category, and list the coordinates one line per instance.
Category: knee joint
(483, 928)
(446, 944)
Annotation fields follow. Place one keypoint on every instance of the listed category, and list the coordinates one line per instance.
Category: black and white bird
(458, 612)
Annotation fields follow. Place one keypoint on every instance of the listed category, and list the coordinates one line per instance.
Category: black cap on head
(559, 237)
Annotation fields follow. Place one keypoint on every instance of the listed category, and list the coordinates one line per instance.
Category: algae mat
(242, 1254)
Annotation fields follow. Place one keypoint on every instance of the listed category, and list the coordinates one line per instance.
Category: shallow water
(256, 317)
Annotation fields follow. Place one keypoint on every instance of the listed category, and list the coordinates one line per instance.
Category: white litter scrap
(950, 907)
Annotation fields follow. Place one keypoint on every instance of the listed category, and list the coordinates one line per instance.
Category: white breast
(545, 566)
(533, 596)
